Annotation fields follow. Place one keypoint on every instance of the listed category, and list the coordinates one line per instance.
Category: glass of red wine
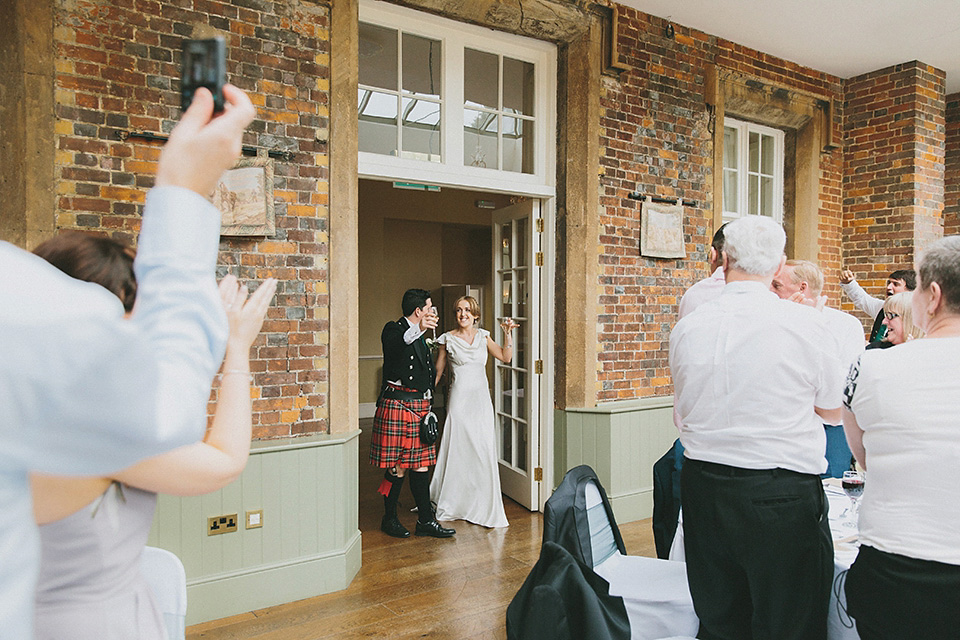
(852, 483)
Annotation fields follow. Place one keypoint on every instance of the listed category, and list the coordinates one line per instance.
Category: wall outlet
(221, 524)
(255, 519)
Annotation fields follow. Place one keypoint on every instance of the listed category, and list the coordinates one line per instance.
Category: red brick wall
(951, 186)
(893, 171)
(656, 139)
(118, 69)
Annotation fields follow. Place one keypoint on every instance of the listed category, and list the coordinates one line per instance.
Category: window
(452, 103)
(498, 118)
(399, 98)
(752, 170)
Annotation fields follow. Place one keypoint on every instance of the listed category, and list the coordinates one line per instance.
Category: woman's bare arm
(221, 457)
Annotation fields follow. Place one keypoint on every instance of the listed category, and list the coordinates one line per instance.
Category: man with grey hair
(802, 281)
(750, 372)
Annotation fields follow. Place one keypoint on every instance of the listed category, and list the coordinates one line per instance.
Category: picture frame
(244, 197)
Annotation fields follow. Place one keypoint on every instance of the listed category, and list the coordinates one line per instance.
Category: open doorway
(452, 242)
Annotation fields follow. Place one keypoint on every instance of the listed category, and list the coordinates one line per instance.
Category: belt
(396, 394)
(739, 472)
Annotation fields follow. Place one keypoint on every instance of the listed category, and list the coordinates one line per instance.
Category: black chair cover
(563, 599)
(565, 515)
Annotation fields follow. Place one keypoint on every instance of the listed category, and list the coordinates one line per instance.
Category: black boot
(427, 525)
(390, 524)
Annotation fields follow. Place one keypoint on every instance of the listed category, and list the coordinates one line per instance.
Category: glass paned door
(516, 392)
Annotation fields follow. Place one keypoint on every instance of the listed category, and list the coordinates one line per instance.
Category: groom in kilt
(405, 397)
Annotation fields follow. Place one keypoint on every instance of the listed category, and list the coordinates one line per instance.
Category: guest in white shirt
(897, 282)
(755, 377)
(83, 391)
(802, 281)
(702, 291)
(902, 423)
(710, 287)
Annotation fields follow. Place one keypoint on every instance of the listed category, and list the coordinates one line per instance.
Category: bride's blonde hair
(473, 306)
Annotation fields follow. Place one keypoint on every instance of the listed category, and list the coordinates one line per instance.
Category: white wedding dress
(466, 480)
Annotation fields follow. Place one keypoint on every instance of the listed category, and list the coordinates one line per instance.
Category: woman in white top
(903, 425)
(466, 481)
(93, 529)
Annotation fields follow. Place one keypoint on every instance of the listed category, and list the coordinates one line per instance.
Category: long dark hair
(98, 259)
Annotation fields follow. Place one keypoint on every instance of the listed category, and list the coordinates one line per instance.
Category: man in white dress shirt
(83, 391)
(802, 281)
(751, 374)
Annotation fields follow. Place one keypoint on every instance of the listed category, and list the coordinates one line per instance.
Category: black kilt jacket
(408, 364)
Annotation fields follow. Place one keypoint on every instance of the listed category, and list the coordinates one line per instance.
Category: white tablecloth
(655, 594)
(839, 625)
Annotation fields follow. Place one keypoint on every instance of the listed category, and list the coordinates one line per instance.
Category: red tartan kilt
(396, 435)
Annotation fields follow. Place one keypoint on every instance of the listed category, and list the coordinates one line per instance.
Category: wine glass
(852, 483)
(434, 312)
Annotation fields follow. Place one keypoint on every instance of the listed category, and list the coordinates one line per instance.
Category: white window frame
(743, 165)
(452, 171)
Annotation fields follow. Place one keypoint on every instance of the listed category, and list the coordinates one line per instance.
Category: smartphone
(203, 64)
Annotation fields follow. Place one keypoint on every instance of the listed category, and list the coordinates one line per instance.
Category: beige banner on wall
(661, 230)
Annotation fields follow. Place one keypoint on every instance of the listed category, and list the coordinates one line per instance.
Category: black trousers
(759, 552)
(894, 597)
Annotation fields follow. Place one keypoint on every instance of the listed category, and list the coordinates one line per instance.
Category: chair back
(566, 519)
(602, 543)
(165, 575)
(666, 498)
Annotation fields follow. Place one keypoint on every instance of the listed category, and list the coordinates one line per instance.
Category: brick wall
(656, 138)
(749, 61)
(893, 172)
(951, 186)
(118, 66)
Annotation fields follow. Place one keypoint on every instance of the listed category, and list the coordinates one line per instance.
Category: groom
(405, 395)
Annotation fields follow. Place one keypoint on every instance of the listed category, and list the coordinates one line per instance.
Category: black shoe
(392, 527)
(434, 529)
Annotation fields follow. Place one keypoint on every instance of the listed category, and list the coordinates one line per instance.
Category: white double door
(517, 385)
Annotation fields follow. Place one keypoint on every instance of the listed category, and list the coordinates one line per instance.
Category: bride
(466, 481)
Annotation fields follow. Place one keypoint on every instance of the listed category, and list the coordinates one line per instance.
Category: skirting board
(629, 507)
(227, 594)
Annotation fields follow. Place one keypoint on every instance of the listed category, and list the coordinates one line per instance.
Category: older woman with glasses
(902, 425)
(898, 319)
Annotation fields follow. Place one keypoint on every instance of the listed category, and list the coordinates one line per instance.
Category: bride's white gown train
(466, 480)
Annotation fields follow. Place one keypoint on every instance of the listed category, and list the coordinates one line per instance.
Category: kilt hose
(396, 435)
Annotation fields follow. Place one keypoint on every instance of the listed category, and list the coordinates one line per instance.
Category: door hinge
(539, 258)
(538, 474)
(538, 366)
(539, 224)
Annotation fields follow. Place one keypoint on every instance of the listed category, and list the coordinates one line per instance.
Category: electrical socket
(221, 524)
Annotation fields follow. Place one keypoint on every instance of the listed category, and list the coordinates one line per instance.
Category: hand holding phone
(201, 146)
(203, 64)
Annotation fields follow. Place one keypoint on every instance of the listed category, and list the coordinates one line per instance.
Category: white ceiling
(845, 38)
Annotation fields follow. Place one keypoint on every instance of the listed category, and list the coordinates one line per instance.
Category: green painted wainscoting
(309, 543)
(621, 440)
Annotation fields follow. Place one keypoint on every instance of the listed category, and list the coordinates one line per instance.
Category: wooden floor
(416, 587)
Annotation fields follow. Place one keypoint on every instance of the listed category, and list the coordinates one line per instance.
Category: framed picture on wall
(244, 197)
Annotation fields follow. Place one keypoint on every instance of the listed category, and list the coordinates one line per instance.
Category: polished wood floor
(457, 588)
